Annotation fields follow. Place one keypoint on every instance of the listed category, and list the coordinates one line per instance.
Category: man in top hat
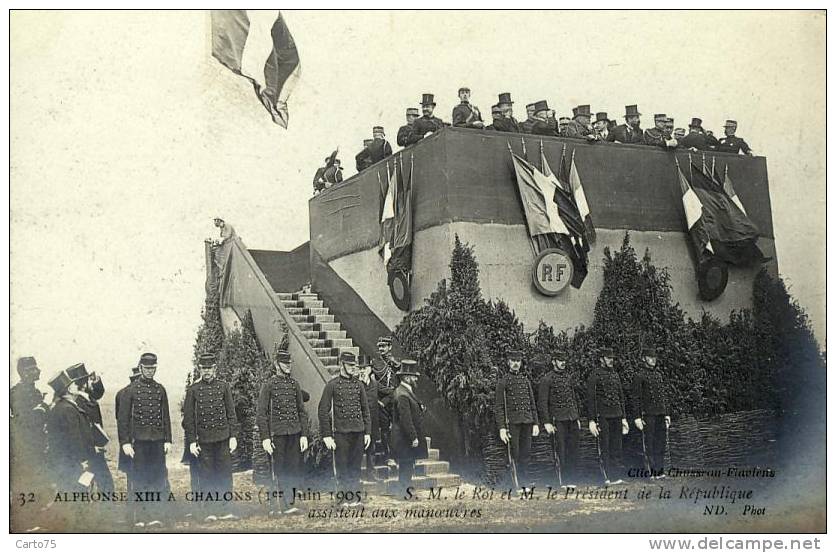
(378, 149)
(465, 114)
(607, 421)
(385, 371)
(731, 143)
(544, 123)
(144, 430)
(69, 435)
(658, 136)
(90, 391)
(427, 123)
(600, 128)
(211, 426)
(506, 123)
(527, 125)
(403, 133)
(125, 463)
(345, 424)
(27, 439)
(557, 404)
(283, 428)
(651, 408)
(579, 126)
(562, 124)
(516, 414)
(630, 131)
(408, 438)
(370, 385)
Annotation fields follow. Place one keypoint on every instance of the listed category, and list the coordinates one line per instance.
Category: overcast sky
(127, 138)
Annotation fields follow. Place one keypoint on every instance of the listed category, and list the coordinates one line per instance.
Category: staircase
(431, 472)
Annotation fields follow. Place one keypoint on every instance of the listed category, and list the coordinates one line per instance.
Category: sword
(600, 457)
(508, 444)
(644, 449)
(556, 460)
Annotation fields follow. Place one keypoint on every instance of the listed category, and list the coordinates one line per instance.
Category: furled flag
(387, 214)
(693, 217)
(258, 45)
(399, 267)
(565, 201)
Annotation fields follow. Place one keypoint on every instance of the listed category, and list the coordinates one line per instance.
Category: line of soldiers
(520, 412)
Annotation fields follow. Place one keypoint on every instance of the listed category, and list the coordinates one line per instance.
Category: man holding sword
(606, 416)
(516, 416)
(650, 400)
(557, 404)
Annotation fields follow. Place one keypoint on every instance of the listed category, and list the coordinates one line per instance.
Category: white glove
(330, 443)
(267, 445)
(367, 440)
(194, 449)
(593, 428)
(166, 448)
(579, 424)
(625, 428)
(549, 427)
(128, 449)
(667, 421)
(503, 435)
(303, 444)
(428, 133)
(415, 442)
(639, 424)
(535, 431)
(233, 444)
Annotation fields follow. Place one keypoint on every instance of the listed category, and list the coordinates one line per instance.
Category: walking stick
(600, 457)
(508, 444)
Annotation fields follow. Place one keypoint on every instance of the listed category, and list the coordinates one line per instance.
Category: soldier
(600, 128)
(377, 150)
(669, 126)
(650, 400)
(579, 127)
(733, 144)
(465, 114)
(678, 135)
(607, 420)
(408, 439)
(283, 428)
(27, 438)
(404, 132)
(658, 135)
(527, 125)
(90, 391)
(507, 123)
(345, 425)
(630, 132)
(125, 463)
(69, 436)
(496, 113)
(385, 372)
(426, 124)
(544, 123)
(516, 414)
(370, 385)
(363, 160)
(328, 175)
(211, 426)
(558, 406)
(187, 458)
(144, 429)
(562, 124)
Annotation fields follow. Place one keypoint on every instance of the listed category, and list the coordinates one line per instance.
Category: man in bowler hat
(408, 438)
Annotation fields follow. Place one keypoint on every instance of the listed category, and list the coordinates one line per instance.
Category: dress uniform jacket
(506, 124)
(655, 137)
(209, 412)
(422, 125)
(379, 149)
(351, 407)
(124, 463)
(557, 399)
(465, 116)
(605, 394)
(626, 135)
(576, 130)
(374, 409)
(514, 391)
(650, 395)
(70, 441)
(733, 145)
(408, 425)
(281, 408)
(142, 413)
(403, 135)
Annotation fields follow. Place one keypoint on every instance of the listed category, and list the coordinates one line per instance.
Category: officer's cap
(148, 360)
(730, 123)
(206, 360)
(348, 358)
(608, 352)
(464, 89)
(409, 367)
(412, 111)
(283, 356)
(77, 372)
(26, 363)
(384, 341)
(496, 109)
(669, 120)
(377, 128)
(564, 120)
(515, 355)
(60, 382)
(659, 116)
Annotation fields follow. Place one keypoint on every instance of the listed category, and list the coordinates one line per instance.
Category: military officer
(607, 421)
(496, 113)
(328, 175)
(652, 408)
(544, 123)
(600, 128)
(427, 123)
(211, 426)
(144, 431)
(27, 440)
(557, 405)
(516, 414)
(385, 372)
(363, 159)
(733, 144)
(669, 128)
(69, 435)
(187, 458)
(345, 425)
(562, 124)
(658, 135)
(370, 385)
(283, 428)
(408, 437)
(465, 114)
(125, 462)
(630, 131)
(579, 126)
(378, 149)
(507, 123)
(404, 132)
(527, 125)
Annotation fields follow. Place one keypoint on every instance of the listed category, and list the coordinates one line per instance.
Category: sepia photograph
(418, 271)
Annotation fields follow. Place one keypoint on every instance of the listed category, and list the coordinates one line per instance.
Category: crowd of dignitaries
(542, 121)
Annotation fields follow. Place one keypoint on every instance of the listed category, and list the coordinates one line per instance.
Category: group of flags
(396, 225)
(556, 211)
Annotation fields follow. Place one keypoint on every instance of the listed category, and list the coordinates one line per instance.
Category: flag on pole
(565, 201)
(399, 267)
(387, 215)
(258, 45)
(580, 200)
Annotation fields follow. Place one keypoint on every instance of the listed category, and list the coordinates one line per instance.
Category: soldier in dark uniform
(427, 123)
(733, 144)
(370, 385)
(658, 136)
(144, 427)
(528, 124)
(678, 135)
(125, 463)
(507, 123)
(69, 436)
(283, 428)
(403, 133)
(669, 126)
(516, 414)
(651, 408)
(377, 150)
(385, 372)
(328, 175)
(27, 439)
(211, 426)
(557, 405)
(607, 420)
(496, 113)
(465, 114)
(408, 438)
(363, 159)
(346, 425)
(562, 124)
(90, 391)
(544, 123)
(187, 458)
(579, 126)
(630, 132)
